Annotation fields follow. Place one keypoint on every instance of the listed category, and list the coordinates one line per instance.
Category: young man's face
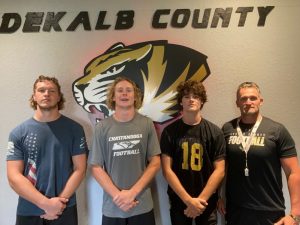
(124, 95)
(191, 103)
(46, 95)
(249, 101)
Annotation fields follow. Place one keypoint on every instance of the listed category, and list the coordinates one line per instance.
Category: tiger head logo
(157, 67)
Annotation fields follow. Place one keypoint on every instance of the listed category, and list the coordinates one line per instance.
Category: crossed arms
(126, 199)
(194, 205)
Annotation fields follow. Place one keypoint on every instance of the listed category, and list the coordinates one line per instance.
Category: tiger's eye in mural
(157, 67)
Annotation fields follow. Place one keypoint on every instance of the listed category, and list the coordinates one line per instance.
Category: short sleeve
(153, 144)
(14, 148)
(96, 156)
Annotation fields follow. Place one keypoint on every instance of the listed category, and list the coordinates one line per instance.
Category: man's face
(191, 103)
(46, 95)
(124, 95)
(249, 101)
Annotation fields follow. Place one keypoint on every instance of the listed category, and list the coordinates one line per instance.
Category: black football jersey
(193, 149)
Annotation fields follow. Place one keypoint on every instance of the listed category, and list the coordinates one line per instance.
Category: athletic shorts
(244, 216)
(68, 217)
(142, 219)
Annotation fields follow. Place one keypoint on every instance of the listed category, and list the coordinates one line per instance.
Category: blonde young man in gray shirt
(125, 157)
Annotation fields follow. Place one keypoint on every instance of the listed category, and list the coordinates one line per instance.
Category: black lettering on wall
(81, 18)
(52, 21)
(263, 12)
(100, 22)
(224, 14)
(156, 23)
(124, 20)
(205, 18)
(11, 22)
(180, 13)
(33, 22)
(244, 12)
(162, 19)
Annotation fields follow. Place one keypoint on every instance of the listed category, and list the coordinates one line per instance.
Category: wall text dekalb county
(178, 18)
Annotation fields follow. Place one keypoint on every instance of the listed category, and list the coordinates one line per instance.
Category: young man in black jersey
(257, 149)
(193, 151)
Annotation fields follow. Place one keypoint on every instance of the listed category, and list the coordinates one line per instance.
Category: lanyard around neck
(246, 142)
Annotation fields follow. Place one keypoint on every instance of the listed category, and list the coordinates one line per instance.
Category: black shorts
(68, 217)
(244, 216)
(142, 219)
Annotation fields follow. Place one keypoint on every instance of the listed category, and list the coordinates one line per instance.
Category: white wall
(268, 55)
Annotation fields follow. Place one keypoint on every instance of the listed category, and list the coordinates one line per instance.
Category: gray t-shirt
(123, 149)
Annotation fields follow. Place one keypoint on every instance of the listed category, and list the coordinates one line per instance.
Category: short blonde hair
(111, 93)
(247, 84)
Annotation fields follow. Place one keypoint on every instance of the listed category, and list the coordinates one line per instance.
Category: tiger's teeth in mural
(95, 115)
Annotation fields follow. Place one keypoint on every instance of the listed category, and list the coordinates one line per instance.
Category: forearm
(294, 190)
(24, 188)
(72, 184)
(291, 169)
(214, 181)
(79, 169)
(176, 186)
(147, 176)
(104, 180)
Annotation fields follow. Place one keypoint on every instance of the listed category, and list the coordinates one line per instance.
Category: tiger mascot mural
(157, 67)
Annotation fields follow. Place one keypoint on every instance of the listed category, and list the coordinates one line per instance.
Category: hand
(125, 200)
(287, 220)
(195, 207)
(221, 206)
(54, 207)
(49, 217)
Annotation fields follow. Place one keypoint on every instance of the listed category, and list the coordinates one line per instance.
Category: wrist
(134, 192)
(187, 200)
(43, 203)
(296, 218)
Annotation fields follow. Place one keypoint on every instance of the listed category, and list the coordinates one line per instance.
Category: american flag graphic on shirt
(31, 144)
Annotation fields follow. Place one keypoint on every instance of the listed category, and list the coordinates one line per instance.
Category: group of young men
(47, 158)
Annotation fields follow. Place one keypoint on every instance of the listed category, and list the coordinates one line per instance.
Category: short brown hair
(42, 78)
(111, 93)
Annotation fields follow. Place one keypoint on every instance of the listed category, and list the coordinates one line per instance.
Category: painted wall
(267, 53)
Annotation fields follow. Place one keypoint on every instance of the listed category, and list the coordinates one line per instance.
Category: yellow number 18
(196, 160)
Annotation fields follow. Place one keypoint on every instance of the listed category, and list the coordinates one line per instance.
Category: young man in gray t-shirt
(125, 158)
